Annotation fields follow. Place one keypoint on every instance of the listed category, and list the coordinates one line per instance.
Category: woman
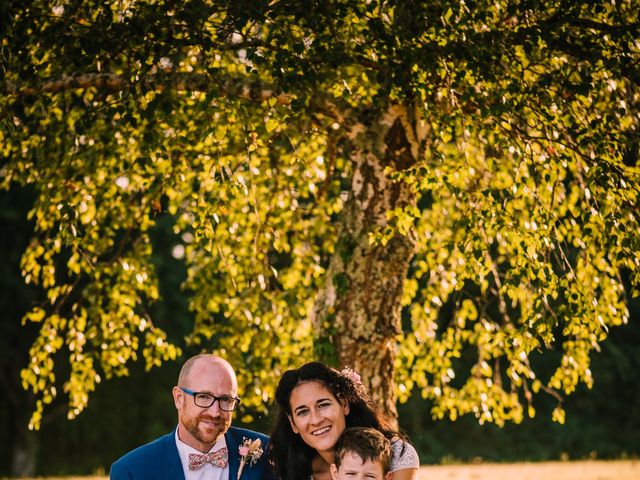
(316, 403)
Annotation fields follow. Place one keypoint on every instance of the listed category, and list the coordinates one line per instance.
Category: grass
(582, 470)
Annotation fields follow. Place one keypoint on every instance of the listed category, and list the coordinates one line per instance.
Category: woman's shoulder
(403, 455)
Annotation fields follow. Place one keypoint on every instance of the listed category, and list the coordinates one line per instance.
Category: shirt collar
(184, 450)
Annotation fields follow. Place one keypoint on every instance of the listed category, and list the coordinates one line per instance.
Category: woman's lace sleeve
(403, 455)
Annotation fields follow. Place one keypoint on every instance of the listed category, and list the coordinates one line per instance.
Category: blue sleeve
(267, 471)
(119, 472)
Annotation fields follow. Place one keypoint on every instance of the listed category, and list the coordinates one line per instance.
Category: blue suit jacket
(159, 460)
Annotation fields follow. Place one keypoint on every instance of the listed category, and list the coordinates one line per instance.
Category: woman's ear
(293, 425)
(345, 407)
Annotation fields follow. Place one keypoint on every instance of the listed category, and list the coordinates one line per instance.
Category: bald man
(204, 445)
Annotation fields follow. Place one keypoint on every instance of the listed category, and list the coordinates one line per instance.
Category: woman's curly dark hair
(290, 455)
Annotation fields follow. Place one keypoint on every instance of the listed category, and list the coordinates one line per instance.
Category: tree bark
(25, 451)
(358, 310)
(24, 442)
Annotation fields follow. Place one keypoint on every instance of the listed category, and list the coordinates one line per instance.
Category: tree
(88, 446)
(17, 404)
(391, 186)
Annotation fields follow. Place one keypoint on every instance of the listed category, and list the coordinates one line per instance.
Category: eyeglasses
(205, 400)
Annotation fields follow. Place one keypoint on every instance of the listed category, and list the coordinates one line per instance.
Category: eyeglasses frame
(215, 399)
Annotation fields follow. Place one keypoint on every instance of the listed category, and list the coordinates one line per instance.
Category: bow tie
(217, 459)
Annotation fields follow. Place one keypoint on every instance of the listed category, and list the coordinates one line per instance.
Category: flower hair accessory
(250, 451)
(351, 375)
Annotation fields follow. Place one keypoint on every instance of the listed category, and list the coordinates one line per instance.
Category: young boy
(362, 453)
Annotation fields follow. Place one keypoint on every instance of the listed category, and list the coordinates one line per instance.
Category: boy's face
(352, 468)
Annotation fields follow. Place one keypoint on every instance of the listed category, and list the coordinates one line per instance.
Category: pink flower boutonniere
(250, 451)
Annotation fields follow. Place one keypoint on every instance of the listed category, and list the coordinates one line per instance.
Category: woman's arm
(404, 461)
(405, 474)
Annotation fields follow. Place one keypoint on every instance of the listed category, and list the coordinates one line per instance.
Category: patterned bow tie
(217, 459)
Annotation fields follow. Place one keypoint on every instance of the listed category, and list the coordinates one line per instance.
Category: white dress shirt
(208, 471)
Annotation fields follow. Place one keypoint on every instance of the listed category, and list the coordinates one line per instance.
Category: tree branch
(249, 89)
(605, 27)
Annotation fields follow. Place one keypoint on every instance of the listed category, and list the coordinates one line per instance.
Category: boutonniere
(250, 451)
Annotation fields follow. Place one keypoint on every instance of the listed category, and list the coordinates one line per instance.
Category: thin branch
(552, 392)
(605, 27)
(502, 304)
(247, 88)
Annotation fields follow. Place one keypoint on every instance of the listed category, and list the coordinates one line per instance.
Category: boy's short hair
(366, 443)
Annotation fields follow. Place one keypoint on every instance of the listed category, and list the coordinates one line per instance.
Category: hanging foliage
(407, 188)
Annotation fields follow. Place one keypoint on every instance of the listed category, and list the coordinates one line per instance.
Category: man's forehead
(211, 370)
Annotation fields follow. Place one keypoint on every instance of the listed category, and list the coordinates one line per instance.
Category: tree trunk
(24, 442)
(25, 451)
(358, 311)
(20, 403)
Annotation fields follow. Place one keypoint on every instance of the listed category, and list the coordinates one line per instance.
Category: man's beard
(203, 434)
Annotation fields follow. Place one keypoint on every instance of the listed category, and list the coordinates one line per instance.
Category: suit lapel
(233, 443)
(171, 461)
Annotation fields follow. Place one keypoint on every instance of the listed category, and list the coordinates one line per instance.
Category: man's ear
(334, 471)
(387, 476)
(293, 426)
(178, 397)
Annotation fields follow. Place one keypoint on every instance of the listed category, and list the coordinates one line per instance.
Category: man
(204, 445)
